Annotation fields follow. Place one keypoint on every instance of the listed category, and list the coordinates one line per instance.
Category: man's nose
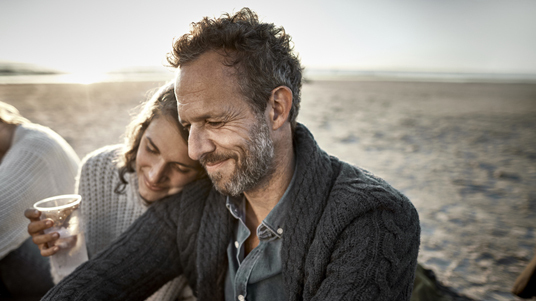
(199, 143)
(157, 172)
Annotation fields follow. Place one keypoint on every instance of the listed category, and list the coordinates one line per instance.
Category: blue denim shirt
(256, 276)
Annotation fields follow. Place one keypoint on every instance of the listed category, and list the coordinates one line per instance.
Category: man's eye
(215, 123)
(186, 127)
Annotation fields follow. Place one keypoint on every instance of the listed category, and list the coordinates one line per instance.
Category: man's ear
(279, 105)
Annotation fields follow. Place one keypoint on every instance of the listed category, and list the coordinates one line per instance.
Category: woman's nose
(157, 172)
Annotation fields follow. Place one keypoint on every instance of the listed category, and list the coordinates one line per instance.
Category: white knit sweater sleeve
(39, 164)
(107, 214)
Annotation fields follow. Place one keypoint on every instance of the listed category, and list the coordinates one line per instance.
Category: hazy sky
(432, 35)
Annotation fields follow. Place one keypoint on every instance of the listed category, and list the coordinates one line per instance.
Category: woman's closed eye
(181, 169)
(151, 150)
(150, 146)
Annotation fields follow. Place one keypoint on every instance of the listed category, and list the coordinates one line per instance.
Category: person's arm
(139, 262)
(374, 258)
(24, 180)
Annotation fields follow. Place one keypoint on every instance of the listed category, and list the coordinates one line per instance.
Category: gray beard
(254, 165)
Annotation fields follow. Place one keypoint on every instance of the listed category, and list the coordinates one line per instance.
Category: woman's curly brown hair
(261, 53)
(161, 103)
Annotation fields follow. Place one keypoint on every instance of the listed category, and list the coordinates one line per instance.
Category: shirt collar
(274, 220)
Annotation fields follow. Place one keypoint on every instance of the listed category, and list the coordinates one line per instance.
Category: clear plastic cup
(63, 210)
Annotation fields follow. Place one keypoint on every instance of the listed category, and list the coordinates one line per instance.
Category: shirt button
(280, 231)
(236, 244)
(241, 298)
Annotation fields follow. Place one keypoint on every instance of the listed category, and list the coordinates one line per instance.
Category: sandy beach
(464, 153)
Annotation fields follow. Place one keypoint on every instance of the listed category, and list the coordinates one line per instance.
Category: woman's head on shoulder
(156, 149)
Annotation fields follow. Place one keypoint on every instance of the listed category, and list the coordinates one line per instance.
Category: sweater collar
(308, 198)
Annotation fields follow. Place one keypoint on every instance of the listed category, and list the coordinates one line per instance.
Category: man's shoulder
(362, 191)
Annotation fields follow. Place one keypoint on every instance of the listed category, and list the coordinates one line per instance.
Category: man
(283, 219)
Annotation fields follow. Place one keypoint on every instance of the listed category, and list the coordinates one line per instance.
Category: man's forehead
(189, 83)
(207, 67)
(185, 83)
(220, 112)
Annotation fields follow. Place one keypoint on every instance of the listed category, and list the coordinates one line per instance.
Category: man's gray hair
(261, 54)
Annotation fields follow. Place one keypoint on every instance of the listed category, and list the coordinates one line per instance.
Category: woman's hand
(36, 230)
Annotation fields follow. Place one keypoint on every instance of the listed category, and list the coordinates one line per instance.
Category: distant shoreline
(65, 78)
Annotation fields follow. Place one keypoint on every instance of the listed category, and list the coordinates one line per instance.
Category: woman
(35, 163)
(117, 183)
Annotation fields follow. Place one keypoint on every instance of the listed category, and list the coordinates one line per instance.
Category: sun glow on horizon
(86, 75)
(84, 78)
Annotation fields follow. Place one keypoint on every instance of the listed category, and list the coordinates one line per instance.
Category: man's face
(230, 140)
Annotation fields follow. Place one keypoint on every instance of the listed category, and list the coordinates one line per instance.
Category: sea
(161, 74)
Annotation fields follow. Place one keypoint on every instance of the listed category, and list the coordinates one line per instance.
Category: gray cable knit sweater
(350, 236)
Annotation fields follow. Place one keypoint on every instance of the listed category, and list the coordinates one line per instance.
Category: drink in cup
(63, 210)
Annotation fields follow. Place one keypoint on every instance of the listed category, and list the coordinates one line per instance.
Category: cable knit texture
(350, 236)
(107, 214)
(39, 164)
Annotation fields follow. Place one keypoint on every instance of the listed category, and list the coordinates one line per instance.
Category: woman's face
(162, 163)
